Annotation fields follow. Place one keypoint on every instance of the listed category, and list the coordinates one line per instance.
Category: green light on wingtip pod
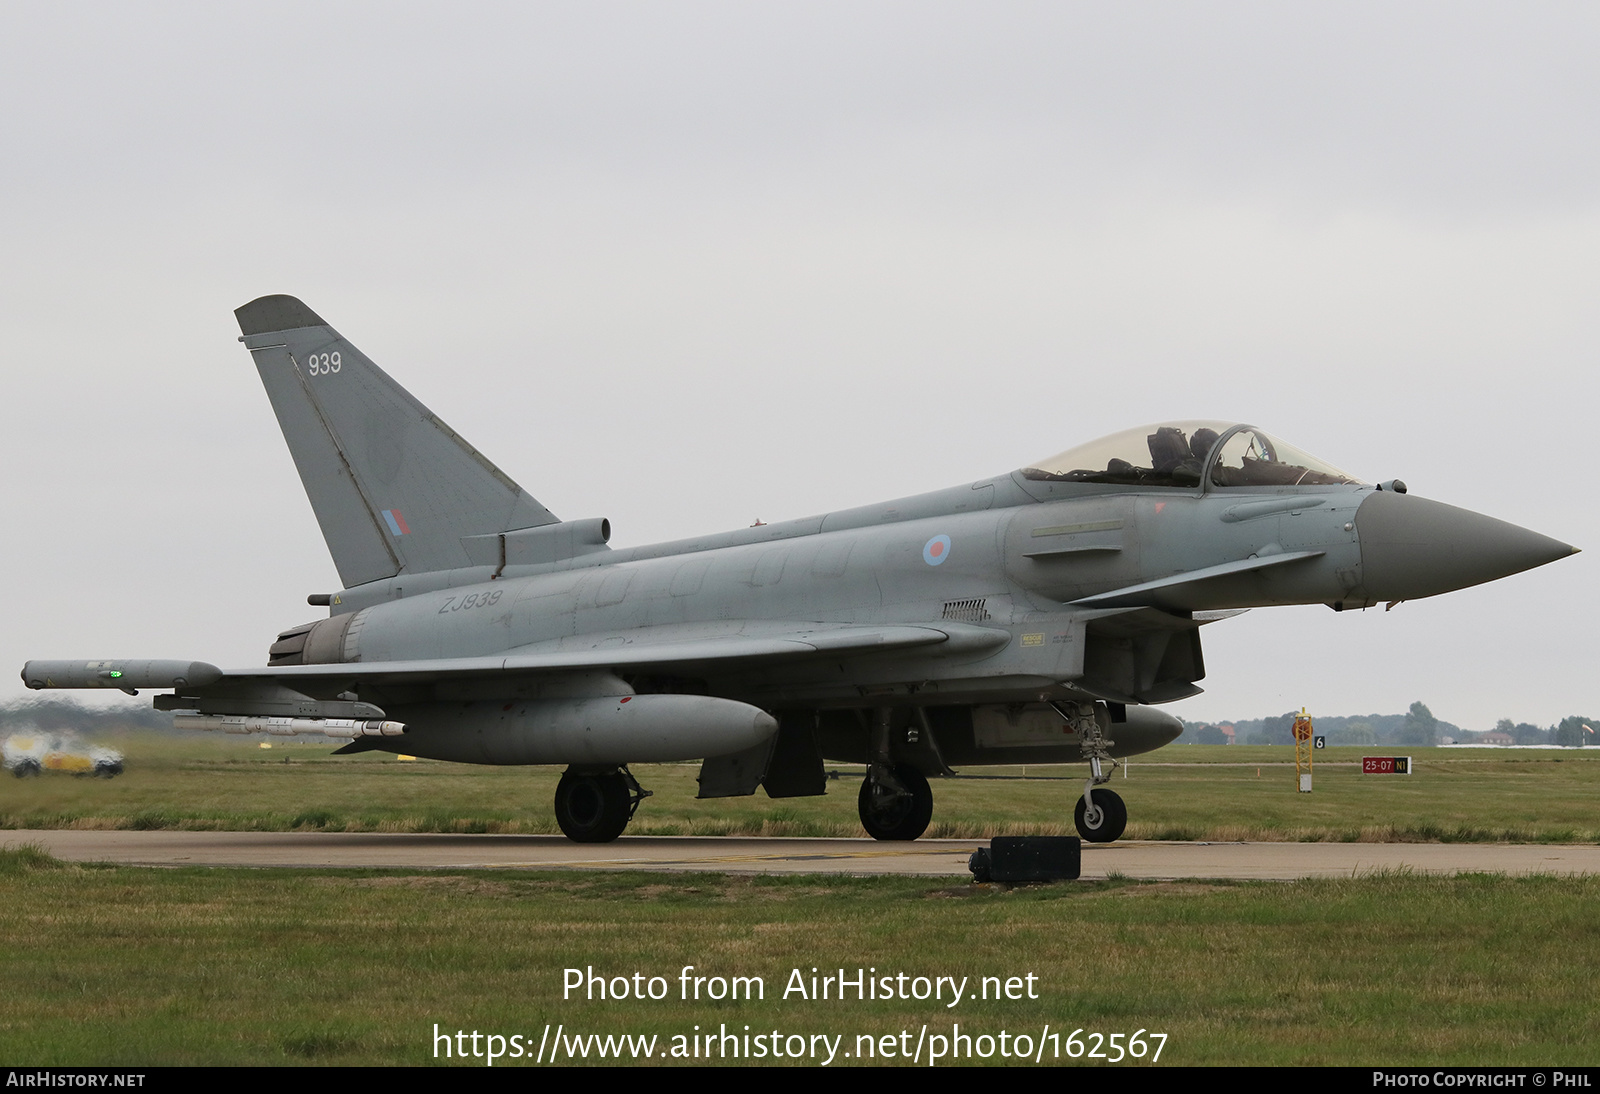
(115, 674)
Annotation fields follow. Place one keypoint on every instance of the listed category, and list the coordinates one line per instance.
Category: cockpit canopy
(1185, 454)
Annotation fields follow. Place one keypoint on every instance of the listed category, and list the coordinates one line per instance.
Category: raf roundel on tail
(1038, 616)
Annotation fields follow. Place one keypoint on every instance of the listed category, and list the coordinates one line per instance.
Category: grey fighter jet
(1033, 617)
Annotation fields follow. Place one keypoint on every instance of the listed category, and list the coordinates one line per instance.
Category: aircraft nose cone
(1412, 547)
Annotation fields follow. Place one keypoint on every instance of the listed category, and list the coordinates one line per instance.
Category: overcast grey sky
(688, 265)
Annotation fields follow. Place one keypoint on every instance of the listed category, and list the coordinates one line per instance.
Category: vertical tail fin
(393, 487)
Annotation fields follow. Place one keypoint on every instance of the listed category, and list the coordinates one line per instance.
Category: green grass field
(1181, 792)
(127, 966)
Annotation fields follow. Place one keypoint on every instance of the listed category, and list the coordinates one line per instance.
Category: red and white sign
(1386, 765)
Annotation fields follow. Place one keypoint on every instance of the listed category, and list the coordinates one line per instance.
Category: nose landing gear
(1100, 814)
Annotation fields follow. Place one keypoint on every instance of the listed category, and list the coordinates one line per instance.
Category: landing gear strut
(594, 807)
(896, 803)
(1100, 814)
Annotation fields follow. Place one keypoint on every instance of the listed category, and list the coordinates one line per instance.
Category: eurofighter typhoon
(1034, 617)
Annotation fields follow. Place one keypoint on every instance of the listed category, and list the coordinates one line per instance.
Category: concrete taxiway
(1151, 860)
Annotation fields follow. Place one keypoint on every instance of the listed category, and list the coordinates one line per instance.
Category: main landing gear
(594, 807)
(896, 803)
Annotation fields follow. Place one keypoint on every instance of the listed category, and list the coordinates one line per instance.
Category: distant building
(1496, 737)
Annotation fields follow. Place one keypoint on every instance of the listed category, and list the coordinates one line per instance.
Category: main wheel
(592, 808)
(1106, 823)
(888, 815)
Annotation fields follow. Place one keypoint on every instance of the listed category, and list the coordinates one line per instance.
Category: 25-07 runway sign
(1386, 765)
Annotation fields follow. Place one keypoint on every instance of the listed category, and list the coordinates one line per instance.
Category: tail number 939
(322, 364)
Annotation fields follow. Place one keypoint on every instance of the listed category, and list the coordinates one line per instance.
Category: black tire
(592, 808)
(1112, 820)
(26, 769)
(895, 817)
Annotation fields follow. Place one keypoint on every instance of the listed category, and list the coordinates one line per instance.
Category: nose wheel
(895, 803)
(596, 807)
(1103, 819)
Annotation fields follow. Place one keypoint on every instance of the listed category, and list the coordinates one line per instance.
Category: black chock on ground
(1028, 858)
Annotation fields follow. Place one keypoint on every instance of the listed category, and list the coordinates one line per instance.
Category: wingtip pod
(277, 312)
(121, 675)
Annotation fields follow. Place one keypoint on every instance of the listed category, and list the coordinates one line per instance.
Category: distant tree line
(1416, 726)
(1575, 729)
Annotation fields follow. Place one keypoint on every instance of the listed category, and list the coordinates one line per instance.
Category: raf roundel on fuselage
(1183, 455)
